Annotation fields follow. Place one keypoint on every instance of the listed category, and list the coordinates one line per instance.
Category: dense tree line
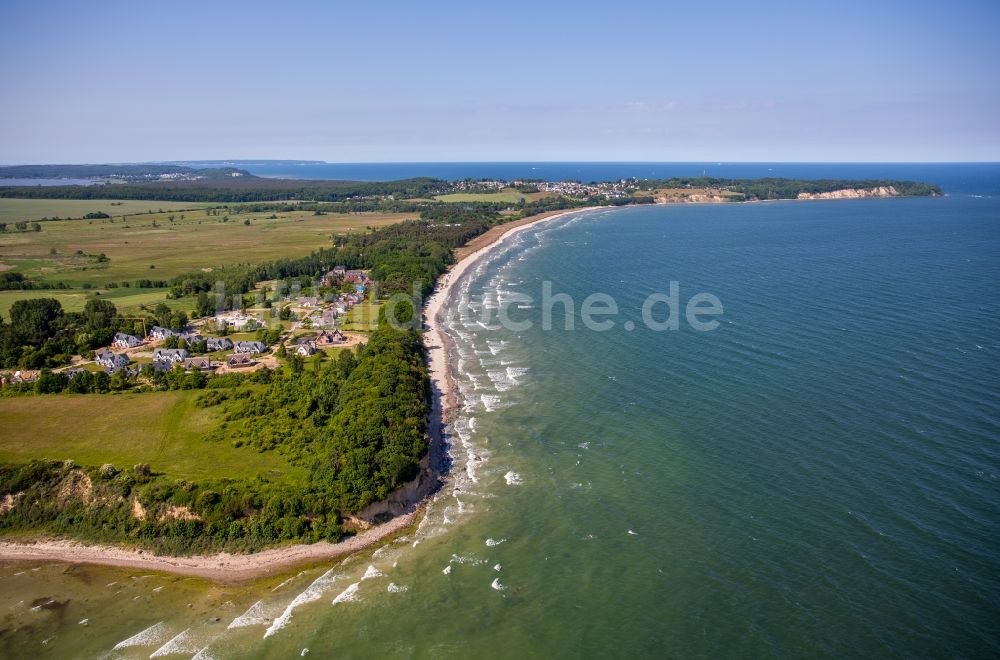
(237, 189)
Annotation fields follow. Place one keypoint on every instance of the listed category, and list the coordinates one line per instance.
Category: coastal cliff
(852, 193)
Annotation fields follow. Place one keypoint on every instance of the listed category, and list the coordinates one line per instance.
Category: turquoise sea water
(817, 477)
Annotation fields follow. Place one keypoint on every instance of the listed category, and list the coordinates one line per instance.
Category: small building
(213, 344)
(305, 347)
(237, 321)
(162, 365)
(240, 360)
(330, 338)
(123, 341)
(307, 301)
(191, 337)
(171, 355)
(21, 376)
(201, 363)
(111, 361)
(250, 347)
(156, 332)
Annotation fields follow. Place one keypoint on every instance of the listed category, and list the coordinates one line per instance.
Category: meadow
(73, 300)
(163, 245)
(158, 246)
(163, 429)
(15, 210)
(509, 196)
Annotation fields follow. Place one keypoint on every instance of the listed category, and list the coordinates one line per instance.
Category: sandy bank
(222, 567)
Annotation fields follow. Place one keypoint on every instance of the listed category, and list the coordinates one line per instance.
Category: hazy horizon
(152, 161)
(448, 82)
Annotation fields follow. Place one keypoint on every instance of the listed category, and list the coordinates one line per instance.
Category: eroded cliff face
(404, 499)
(853, 193)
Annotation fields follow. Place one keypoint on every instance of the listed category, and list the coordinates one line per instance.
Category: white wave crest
(313, 592)
(348, 595)
(254, 616)
(181, 643)
(155, 634)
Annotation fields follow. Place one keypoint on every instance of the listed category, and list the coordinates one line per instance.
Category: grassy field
(509, 196)
(164, 429)
(73, 300)
(14, 210)
(154, 246)
(362, 318)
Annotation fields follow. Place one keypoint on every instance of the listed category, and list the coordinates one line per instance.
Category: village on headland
(245, 340)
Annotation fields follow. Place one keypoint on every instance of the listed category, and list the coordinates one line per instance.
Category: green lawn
(164, 429)
(362, 317)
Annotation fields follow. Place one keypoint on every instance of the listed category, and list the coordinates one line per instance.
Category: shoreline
(435, 339)
(226, 568)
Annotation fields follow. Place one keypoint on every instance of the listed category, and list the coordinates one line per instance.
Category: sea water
(817, 476)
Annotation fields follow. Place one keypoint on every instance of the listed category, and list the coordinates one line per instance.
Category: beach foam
(348, 595)
(254, 616)
(155, 634)
(182, 643)
(371, 573)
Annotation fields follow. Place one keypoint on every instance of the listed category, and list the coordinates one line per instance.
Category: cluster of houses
(331, 308)
(243, 352)
(339, 275)
(306, 347)
(610, 189)
(166, 359)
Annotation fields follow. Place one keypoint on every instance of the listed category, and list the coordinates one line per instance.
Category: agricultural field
(509, 196)
(15, 210)
(162, 245)
(164, 429)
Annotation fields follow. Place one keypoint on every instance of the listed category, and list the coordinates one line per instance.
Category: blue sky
(440, 81)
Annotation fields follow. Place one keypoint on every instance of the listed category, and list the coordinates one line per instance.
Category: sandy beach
(233, 568)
